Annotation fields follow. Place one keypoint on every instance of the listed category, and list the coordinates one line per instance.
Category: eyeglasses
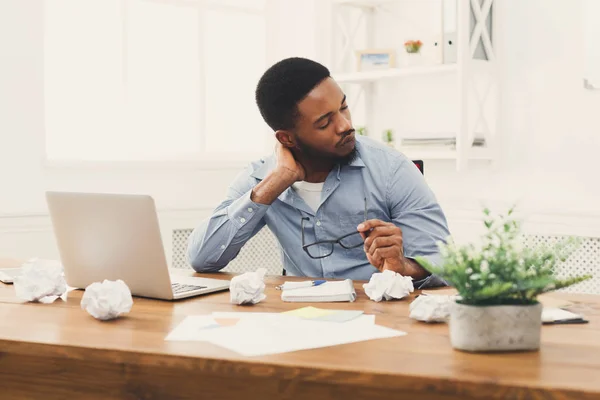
(324, 248)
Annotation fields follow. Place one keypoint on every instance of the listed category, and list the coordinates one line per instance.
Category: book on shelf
(437, 142)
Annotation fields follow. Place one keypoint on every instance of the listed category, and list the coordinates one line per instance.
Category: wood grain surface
(57, 350)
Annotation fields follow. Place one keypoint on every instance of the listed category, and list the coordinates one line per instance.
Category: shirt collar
(262, 167)
(357, 162)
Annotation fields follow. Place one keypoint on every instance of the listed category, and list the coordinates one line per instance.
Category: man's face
(324, 126)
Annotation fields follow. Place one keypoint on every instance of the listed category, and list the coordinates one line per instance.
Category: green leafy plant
(388, 136)
(361, 130)
(500, 271)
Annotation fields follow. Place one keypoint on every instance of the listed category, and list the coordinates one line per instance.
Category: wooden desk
(9, 263)
(58, 351)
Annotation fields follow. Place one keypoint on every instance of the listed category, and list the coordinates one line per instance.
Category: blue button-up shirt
(395, 191)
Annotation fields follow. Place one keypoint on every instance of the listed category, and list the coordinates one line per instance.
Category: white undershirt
(310, 193)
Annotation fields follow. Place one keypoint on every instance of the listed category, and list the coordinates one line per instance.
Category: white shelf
(363, 3)
(372, 76)
(443, 153)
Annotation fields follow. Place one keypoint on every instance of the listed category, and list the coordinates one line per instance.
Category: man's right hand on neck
(287, 171)
(287, 165)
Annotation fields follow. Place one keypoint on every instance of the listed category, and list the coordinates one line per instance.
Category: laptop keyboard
(181, 288)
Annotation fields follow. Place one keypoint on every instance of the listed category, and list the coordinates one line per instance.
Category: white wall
(545, 112)
(550, 125)
(183, 195)
(23, 176)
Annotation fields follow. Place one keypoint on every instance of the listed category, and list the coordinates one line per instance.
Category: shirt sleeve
(219, 238)
(416, 211)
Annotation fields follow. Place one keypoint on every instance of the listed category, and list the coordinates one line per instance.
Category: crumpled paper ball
(248, 288)
(107, 300)
(431, 308)
(40, 280)
(388, 285)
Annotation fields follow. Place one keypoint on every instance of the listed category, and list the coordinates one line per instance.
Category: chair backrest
(584, 261)
(421, 165)
(262, 250)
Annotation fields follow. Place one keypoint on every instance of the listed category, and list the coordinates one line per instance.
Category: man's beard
(318, 155)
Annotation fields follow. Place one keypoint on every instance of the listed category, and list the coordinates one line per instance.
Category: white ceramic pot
(413, 59)
(495, 328)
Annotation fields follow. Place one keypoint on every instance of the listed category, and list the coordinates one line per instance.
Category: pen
(298, 285)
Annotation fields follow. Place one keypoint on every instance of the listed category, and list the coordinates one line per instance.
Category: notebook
(333, 291)
(559, 316)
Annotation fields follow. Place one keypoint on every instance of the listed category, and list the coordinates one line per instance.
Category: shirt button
(222, 247)
(318, 223)
(250, 210)
(242, 220)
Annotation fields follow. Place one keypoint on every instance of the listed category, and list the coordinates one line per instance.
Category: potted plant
(413, 52)
(361, 130)
(388, 137)
(498, 282)
(413, 46)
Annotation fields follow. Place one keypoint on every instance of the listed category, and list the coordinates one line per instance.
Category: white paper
(107, 300)
(256, 337)
(238, 315)
(388, 285)
(340, 316)
(346, 319)
(40, 280)
(189, 329)
(248, 288)
(258, 334)
(557, 314)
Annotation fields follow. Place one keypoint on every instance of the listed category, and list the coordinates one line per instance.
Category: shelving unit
(472, 35)
(363, 3)
(393, 73)
(443, 153)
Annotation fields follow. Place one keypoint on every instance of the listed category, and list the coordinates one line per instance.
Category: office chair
(420, 165)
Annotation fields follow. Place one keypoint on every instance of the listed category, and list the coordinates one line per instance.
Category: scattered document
(189, 329)
(320, 314)
(341, 316)
(309, 312)
(557, 315)
(281, 334)
(256, 334)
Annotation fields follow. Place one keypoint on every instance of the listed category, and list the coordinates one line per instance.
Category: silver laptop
(8, 275)
(117, 236)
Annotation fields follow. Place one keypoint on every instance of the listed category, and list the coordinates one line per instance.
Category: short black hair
(283, 85)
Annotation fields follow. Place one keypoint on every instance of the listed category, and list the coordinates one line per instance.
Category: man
(340, 206)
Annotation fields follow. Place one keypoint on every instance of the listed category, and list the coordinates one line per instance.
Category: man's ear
(286, 138)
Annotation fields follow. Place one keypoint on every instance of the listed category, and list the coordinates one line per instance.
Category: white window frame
(200, 160)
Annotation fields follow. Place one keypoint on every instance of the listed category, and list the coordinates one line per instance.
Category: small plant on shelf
(388, 137)
(413, 46)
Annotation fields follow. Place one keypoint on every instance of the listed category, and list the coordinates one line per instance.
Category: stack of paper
(560, 316)
(255, 334)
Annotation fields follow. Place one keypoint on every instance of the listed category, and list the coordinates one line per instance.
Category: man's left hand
(383, 245)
